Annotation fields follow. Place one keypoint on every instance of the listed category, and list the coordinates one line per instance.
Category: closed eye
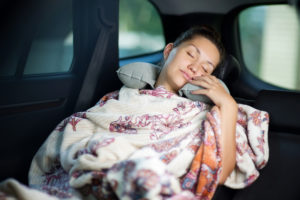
(190, 54)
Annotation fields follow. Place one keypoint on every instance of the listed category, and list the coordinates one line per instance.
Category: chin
(179, 86)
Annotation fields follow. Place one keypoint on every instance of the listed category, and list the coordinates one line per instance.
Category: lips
(186, 75)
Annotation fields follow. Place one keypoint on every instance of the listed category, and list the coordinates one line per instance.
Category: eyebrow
(199, 52)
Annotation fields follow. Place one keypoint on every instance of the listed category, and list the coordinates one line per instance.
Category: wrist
(229, 103)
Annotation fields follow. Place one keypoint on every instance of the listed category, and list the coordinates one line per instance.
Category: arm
(228, 124)
(228, 109)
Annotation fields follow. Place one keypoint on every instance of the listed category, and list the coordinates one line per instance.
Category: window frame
(250, 81)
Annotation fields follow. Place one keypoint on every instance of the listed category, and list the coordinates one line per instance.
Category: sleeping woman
(192, 58)
(154, 143)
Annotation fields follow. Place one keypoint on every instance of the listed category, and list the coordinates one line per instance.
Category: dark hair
(204, 31)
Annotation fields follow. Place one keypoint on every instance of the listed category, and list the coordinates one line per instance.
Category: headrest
(229, 71)
(283, 108)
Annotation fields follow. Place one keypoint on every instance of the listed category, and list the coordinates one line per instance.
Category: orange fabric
(206, 165)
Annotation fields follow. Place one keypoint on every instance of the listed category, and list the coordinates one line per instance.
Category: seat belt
(96, 65)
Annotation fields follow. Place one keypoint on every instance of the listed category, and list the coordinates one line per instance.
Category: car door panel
(31, 105)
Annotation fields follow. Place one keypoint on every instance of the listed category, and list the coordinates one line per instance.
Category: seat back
(280, 178)
(229, 71)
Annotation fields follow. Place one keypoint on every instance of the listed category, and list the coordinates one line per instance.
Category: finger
(207, 78)
(201, 83)
(202, 78)
(207, 81)
(215, 79)
(201, 92)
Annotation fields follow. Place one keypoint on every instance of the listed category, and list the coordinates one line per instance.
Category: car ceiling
(180, 7)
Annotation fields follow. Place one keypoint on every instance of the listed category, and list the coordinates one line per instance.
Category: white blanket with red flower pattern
(142, 144)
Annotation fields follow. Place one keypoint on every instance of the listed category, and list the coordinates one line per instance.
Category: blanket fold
(149, 144)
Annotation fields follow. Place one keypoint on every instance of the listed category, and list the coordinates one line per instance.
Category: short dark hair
(204, 31)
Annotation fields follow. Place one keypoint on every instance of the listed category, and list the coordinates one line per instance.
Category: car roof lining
(179, 7)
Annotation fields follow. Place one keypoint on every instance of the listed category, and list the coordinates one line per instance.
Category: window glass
(52, 49)
(270, 44)
(38, 40)
(140, 28)
(49, 55)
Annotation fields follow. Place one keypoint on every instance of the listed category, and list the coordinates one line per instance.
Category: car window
(42, 39)
(48, 55)
(140, 28)
(270, 44)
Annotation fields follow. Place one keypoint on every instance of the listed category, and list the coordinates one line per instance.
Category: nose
(195, 70)
(192, 68)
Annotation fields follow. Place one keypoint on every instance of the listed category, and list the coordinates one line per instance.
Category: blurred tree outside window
(270, 44)
(140, 28)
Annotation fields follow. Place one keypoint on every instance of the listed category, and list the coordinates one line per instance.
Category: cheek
(175, 58)
(175, 76)
(175, 64)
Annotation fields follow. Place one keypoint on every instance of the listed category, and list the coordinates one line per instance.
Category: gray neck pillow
(139, 75)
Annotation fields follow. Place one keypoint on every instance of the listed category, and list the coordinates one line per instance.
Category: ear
(167, 50)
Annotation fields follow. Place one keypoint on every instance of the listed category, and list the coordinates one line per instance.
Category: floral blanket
(142, 144)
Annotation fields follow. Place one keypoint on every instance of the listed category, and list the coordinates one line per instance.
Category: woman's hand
(228, 109)
(213, 89)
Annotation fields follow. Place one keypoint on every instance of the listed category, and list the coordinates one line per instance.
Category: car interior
(59, 57)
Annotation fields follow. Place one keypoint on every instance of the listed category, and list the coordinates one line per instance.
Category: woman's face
(195, 57)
